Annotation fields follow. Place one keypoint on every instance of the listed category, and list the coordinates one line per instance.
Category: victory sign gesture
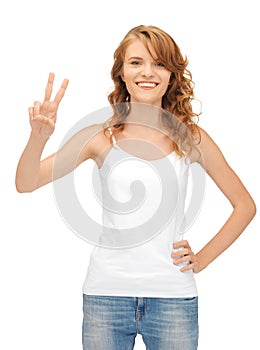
(43, 115)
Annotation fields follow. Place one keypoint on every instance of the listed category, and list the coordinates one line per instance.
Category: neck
(143, 118)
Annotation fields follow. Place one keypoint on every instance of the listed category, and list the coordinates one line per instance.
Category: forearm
(28, 169)
(231, 230)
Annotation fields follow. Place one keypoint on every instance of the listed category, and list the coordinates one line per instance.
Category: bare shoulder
(96, 142)
(211, 155)
(87, 143)
(205, 138)
(216, 165)
(218, 168)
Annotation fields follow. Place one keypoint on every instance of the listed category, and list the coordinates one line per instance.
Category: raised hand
(43, 115)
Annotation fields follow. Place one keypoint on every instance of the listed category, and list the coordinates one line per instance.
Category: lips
(147, 84)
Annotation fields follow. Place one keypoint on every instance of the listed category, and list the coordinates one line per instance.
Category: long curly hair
(178, 116)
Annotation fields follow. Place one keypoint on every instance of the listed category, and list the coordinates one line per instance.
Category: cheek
(127, 79)
(168, 78)
(122, 73)
(125, 75)
(166, 81)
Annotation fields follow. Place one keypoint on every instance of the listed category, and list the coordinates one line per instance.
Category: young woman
(145, 285)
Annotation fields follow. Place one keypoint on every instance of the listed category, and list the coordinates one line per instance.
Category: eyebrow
(134, 58)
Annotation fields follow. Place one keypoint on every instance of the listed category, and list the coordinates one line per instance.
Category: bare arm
(243, 209)
(42, 120)
(32, 172)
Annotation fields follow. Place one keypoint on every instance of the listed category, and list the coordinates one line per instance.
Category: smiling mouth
(146, 84)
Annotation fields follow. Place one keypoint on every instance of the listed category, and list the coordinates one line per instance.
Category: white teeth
(146, 84)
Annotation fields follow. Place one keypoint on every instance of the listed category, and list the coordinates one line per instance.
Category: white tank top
(134, 255)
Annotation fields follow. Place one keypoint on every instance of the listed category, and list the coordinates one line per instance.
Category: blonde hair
(176, 102)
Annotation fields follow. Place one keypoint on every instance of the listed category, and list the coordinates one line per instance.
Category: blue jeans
(112, 323)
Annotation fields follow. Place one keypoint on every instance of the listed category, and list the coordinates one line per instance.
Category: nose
(147, 70)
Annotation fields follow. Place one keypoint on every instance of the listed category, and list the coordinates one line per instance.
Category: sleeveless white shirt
(142, 222)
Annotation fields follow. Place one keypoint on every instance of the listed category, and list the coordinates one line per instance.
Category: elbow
(246, 208)
(250, 208)
(23, 189)
(20, 188)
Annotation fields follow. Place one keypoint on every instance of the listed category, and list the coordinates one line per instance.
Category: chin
(148, 101)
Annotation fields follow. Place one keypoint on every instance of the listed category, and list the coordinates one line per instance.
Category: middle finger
(49, 86)
(180, 253)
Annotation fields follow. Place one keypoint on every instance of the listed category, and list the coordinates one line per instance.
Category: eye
(135, 63)
(159, 64)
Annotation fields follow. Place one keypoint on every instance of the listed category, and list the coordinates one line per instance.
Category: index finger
(61, 91)
(181, 244)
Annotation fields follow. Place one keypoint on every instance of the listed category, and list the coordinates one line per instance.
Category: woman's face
(146, 78)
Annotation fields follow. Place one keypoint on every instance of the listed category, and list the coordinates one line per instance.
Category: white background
(43, 264)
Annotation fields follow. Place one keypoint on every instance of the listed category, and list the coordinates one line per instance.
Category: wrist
(38, 138)
(202, 263)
